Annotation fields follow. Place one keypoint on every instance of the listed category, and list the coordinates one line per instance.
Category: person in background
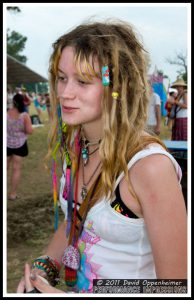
(154, 112)
(27, 100)
(172, 94)
(37, 104)
(124, 210)
(18, 127)
(179, 128)
(48, 104)
(9, 98)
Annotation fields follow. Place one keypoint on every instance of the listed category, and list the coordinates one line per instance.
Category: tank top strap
(147, 152)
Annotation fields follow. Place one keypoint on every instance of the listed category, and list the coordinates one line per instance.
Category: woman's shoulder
(152, 156)
(150, 149)
(148, 153)
(153, 160)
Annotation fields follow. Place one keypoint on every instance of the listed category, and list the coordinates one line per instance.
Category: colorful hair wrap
(54, 179)
(54, 175)
(105, 76)
(70, 188)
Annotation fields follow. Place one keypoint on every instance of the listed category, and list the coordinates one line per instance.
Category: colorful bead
(115, 95)
(105, 76)
(85, 153)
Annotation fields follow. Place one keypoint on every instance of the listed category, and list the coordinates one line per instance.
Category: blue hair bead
(105, 76)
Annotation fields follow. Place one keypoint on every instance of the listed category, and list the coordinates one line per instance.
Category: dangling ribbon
(56, 213)
(54, 175)
(70, 196)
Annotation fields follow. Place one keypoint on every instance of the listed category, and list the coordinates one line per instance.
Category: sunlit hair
(113, 43)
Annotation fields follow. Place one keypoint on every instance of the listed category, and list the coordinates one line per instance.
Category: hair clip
(115, 95)
(105, 76)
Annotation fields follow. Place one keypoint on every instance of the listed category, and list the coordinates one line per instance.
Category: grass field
(30, 219)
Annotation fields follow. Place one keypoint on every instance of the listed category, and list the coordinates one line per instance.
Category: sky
(163, 28)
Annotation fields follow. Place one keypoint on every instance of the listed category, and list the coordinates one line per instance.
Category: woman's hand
(40, 285)
(22, 288)
(25, 284)
(33, 280)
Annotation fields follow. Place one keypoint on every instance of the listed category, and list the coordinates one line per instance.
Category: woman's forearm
(58, 243)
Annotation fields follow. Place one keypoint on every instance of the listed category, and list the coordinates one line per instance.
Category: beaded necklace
(71, 257)
(85, 149)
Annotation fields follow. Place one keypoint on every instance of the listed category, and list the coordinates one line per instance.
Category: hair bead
(105, 76)
(115, 95)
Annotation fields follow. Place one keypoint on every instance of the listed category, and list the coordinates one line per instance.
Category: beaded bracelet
(53, 261)
(50, 266)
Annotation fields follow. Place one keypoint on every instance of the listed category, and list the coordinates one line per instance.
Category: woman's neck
(91, 133)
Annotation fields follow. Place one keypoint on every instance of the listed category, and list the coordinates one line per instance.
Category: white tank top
(113, 246)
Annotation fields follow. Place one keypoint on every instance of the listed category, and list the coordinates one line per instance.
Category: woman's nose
(68, 91)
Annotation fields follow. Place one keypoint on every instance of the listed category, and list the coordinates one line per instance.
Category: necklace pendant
(85, 155)
(84, 193)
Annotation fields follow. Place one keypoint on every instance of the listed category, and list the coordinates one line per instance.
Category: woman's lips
(68, 109)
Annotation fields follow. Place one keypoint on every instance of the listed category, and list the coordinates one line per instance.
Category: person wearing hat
(179, 129)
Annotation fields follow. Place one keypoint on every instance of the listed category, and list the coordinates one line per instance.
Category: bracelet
(49, 266)
(52, 260)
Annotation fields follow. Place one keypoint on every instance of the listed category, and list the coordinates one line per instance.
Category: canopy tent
(18, 73)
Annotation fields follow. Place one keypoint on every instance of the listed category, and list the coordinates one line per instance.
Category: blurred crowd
(176, 111)
(41, 101)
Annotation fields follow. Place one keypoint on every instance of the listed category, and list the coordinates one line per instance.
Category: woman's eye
(61, 78)
(82, 82)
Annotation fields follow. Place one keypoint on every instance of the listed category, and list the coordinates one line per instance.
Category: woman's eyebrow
(59, 70)
(76, 74)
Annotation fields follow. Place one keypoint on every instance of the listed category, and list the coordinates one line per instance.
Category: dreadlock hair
(113, 43)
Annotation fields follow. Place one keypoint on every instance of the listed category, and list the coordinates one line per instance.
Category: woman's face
(80, 100)
(180, 89)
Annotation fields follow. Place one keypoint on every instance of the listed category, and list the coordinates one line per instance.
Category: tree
(14, 9)
(16, 44)
(180, 60)
(15, 41)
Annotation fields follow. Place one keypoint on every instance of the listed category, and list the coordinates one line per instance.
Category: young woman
(120, 191)
(18, 127)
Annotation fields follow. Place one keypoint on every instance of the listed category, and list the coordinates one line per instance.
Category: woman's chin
(71, 122)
